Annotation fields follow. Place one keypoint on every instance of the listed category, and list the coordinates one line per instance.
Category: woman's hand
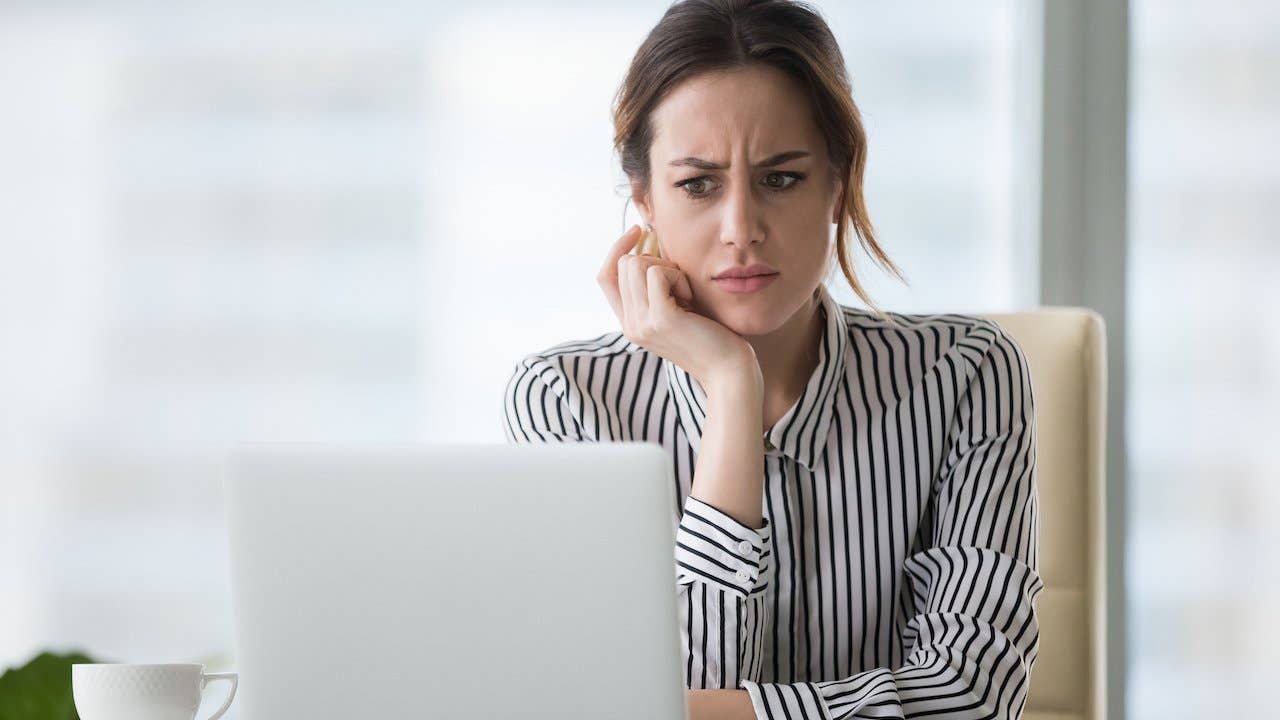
(652, 298)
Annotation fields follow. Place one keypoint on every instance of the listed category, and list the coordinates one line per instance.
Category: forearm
(719, 705)
(729, 473)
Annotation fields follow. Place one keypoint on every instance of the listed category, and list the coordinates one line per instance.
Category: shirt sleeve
(535, 408)
(972, 633)
(722, 566)
(723, 569)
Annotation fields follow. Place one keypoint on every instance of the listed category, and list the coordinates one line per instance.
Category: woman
(873, 552)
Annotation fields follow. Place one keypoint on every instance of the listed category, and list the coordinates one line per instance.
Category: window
(1204, 360)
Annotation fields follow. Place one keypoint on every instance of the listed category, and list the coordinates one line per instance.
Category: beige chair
(1066, 348)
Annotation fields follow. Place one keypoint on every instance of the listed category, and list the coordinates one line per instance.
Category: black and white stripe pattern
(896, 572)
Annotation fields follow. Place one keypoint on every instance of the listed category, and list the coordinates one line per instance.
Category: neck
(788, 357)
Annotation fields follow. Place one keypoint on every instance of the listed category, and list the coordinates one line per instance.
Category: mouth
(737, 285)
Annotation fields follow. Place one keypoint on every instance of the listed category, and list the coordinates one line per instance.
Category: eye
(698, 188)
(695, 188)
(791, 179)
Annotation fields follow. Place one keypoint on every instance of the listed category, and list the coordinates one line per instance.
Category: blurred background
(346, 221)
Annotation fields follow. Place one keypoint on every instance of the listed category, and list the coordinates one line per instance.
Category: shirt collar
(802, 431)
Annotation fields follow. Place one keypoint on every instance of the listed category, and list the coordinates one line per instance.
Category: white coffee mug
(110, 691)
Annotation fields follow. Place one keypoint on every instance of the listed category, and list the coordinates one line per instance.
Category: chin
(749, 319)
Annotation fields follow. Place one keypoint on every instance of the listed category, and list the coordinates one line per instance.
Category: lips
(749, 284)
(745, 271)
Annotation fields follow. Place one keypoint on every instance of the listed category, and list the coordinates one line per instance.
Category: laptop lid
(459, 581)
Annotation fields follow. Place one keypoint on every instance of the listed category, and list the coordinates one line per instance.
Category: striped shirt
(895, 574)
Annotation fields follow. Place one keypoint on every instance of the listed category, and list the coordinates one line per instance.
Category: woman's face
(772, 199)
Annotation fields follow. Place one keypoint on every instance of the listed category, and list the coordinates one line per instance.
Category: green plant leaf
(41, 689)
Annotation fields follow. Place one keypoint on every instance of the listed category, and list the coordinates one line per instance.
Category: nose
(742, 222)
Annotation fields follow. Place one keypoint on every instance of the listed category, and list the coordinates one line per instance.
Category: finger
(635, 298)
(608, 277)
(623, 279)
(639, 283)
(662, 282)
(659, 288)
(677, 279)
(620, 247)
(683, 290)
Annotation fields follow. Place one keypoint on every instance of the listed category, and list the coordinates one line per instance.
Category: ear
(640, 196)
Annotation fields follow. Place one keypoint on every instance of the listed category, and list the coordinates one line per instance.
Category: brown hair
(696, 36)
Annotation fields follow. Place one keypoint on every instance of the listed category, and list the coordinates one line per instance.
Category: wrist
(737, 378)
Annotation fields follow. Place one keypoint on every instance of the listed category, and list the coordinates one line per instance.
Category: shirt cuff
(800, 700)
(713, 547)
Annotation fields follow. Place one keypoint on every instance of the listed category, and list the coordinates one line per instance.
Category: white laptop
(454, 581)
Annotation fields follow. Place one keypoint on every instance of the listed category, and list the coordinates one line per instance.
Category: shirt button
(742, 576)
(744, 547)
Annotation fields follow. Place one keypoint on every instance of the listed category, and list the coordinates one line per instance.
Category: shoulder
(579, 380)
(968, 347)
(566, 360)
(967, 335)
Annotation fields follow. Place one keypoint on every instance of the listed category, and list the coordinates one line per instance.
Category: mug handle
(206, 678)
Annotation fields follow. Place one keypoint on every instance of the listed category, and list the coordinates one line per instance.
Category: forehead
(756, 110)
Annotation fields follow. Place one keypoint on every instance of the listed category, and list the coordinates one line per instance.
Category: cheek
(808, 246)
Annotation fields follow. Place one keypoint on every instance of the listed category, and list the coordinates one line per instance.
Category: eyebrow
(767, 162)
